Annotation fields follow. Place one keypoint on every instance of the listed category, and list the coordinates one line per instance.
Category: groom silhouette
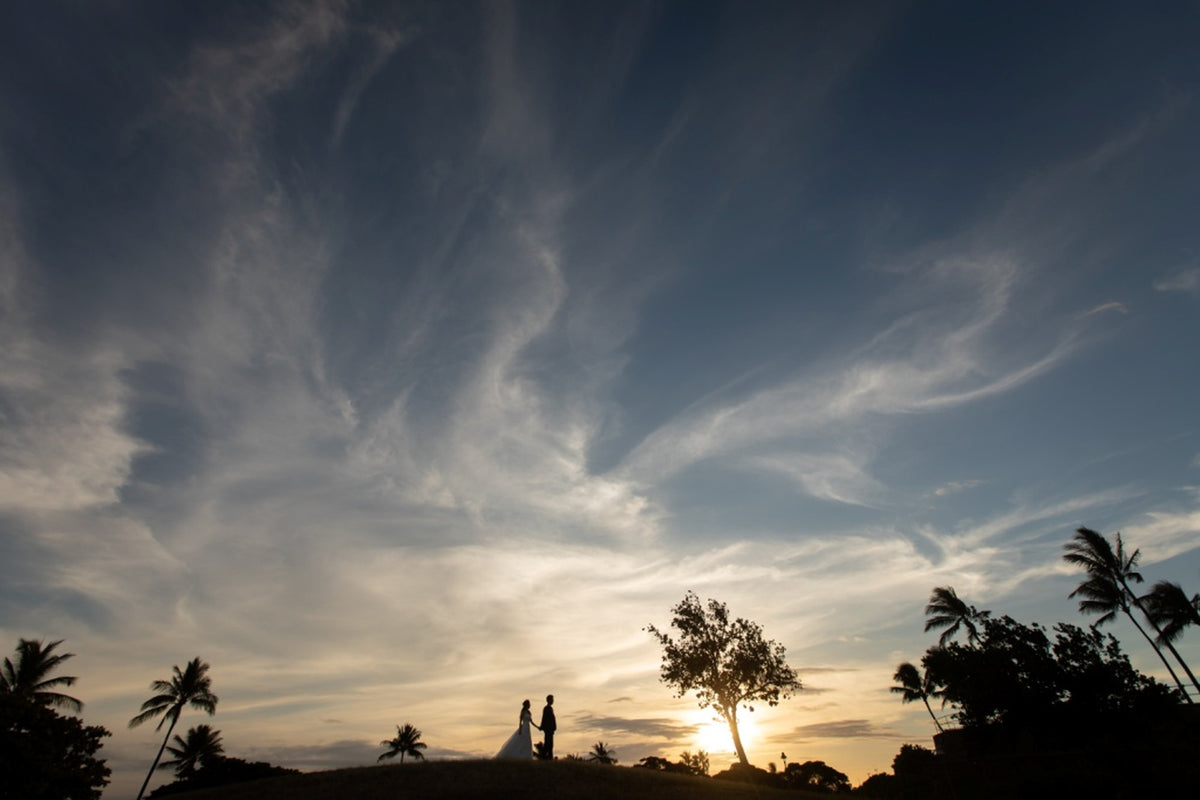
(548, 726)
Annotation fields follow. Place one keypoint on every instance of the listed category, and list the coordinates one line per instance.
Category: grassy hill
(467, 780)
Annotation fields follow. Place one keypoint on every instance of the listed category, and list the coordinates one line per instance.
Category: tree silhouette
(727, 663)
(406, 742)
(913, 686)
(816, 776)
(201, 744)
(660, 764)
(697, 764)
(188, 687)
(1018, 676)
(1107, 591)
(1171, 610)
(29, 675)
(47, 756)
(946, 610)
(602, 754)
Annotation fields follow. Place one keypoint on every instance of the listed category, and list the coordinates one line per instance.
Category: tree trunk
(925, 700)
(1157, 651)
(154, 766)
(1171, 647)
(731, 718)
(1183, 664)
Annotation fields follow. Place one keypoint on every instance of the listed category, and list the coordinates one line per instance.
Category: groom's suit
(549, 725)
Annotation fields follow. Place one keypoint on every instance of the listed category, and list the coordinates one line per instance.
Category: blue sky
(405, 360)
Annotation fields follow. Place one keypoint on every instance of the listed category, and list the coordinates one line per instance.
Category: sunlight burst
(712, 736)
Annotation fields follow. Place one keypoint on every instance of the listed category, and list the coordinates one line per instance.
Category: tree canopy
(726, 662)
(47, 756)
(1016, 674)
(406, 742)
(816, 776)
(29, 674)
(201, 745)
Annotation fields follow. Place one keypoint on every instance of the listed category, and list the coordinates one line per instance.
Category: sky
(406, 360)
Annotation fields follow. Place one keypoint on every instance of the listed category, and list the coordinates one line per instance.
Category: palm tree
(1106, 590)
(407, 742)
(914, 686)
(201, 745)
(1171, 610)
(188, 687)
(947, 610)
(602, 754)
(29, 676)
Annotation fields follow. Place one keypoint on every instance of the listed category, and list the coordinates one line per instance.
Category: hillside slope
(468, 780)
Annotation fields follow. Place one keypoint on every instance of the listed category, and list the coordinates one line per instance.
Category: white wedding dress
(520, 744)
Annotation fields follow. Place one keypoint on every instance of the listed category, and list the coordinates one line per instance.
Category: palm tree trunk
(1183, 664)
(154, 766)
(1138, 601)
(1163, 658)
(933, 716)
(731, 718)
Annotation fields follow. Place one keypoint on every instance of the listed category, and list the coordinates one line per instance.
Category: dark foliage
(696, 764)
(1171, 610)
(662, 765)
(815, 776)
(1058, 713)
(687, 764)
(406, 742)
(879, 785)
(29, 674)
(1017, 677)
(202, 743)
(221, 771)
(602, 753)
(916, 773)
(947, 611)
(744, 773)
(913, 760)
(45, 756)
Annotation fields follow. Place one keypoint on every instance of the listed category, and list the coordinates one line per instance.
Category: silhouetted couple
(520, 744)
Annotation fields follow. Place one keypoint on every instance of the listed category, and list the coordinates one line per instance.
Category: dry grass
(466, 780)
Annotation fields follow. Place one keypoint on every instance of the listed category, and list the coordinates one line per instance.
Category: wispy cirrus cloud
(919, 363)
(1185, 280)
(836, 729)
(657, 727)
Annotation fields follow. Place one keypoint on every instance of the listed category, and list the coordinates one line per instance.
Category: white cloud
(1120, 308)
(384, 43)
(954, 487)
(1185, 280)
(1164, 534)
(837, 477)
(61, 404)
(937, 357)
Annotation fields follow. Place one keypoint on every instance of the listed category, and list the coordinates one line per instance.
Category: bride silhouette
(520, 744)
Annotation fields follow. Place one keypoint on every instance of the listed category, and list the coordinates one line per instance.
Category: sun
(712, 736)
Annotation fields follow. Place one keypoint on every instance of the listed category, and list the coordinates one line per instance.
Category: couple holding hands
(520, 744)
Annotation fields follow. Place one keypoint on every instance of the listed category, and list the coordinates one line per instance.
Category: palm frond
(1170, 610)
